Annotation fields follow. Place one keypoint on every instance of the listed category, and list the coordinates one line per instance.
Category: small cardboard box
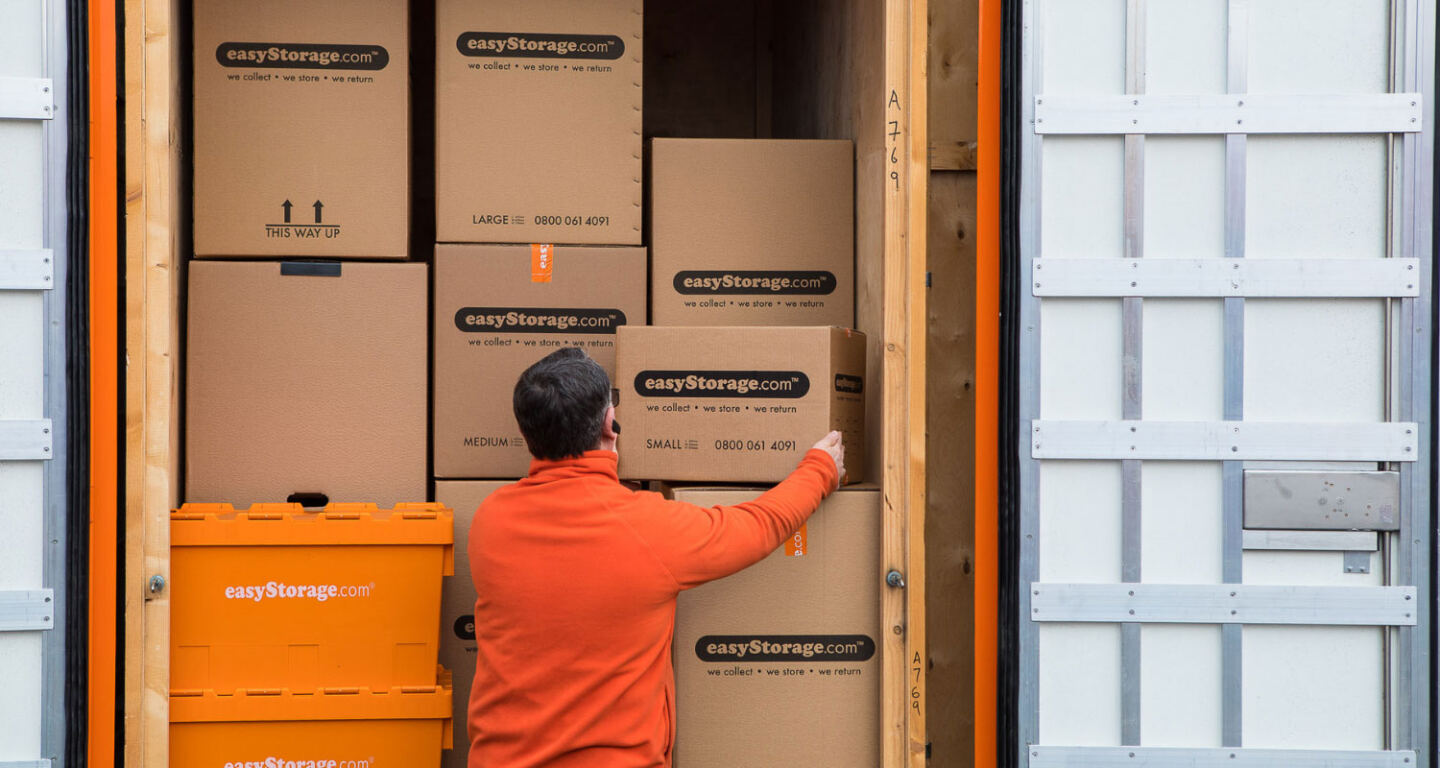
(305, 378)
(302, 129)
(457, 605)
(538, 121)
(779, 664)
(500, 308)
(737, 404)
(752, 232)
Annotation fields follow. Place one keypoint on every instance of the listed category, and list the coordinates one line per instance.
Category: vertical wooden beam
(987, 385)
(906, 178)
(152, 291)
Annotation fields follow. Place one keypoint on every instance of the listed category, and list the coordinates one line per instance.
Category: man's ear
(607, 425)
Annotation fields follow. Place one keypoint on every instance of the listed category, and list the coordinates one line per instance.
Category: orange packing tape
(542, 262)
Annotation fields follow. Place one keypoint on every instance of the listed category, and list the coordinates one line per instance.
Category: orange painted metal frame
(104, 383)
(987, 385)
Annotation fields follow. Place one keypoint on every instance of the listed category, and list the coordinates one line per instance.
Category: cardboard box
(302, 128)
(500, 308)
(538, 121)
(737, 404)
(457, 605)
(305, 378)
(752, 232)
(779, 664)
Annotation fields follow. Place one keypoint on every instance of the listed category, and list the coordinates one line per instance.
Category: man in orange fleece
(577, 578)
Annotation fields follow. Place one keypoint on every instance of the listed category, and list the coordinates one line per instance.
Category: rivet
(1234, 449)
(1137, 103)
(1239, 122)
(1134, 122)
(1232, 594)
(1407, 597)
(1132, 593)
(1232, 613)
(1132, 285)
(1037, 285)
(1132, 611)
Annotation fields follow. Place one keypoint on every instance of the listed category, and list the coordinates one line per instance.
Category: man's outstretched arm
(700, 544)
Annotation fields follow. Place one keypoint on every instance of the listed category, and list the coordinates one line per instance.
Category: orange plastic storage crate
(335, 728)
(277, 598)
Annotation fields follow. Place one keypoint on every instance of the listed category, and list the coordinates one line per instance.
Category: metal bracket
(27, 611)
(1242, 113)
(1223, 441)
(22, 440)
(1357, 561)
(1322, 500)
(26, 98)
(1223, 604)
(26, 270)
(1179, 757)
(1211, 278)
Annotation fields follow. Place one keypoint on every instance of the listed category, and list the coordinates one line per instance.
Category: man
(577, 578)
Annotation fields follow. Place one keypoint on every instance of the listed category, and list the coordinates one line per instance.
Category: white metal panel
(1220, 277)
(1083, 199)
(1180, 684)
(26, 270)
(1183, 370)
(1319, 46)
(1093, 62)
(1314, 360)
(1082, 378)
(1080, 505)
(1315, 197)
(21, 502)
(22, 155)
(1223, 440)
(1185, 47)
(1079, 697)
(1181, 522)
(22, 38)
(1224, 604)
(20, 709)
(1184, 197)
(22, 326)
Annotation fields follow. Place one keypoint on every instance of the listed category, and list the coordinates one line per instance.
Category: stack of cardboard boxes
(728, 341)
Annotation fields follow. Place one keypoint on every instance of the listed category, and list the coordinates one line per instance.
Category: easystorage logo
(302, 56)
(538, 320)
(754, 282)
(844, 382)
(279, 590)
(729, 648)
(287, 762)
(539, 45)
(281, 762)
(783, 384)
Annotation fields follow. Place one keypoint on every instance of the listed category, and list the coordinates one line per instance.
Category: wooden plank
(153, 276)
(952, 155)
(954, 62)
(906, 182)
(950, 456)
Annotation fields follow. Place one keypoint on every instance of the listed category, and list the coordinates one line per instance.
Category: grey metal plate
(26, 98)
(27, 764)
(1313, 541)
(1202, 278)
(1247, 113)
(1223, 604)
(25, 440)
(1322, 500)
(1222, 441)
(27, 611)
(26, 270)
(1168, 757)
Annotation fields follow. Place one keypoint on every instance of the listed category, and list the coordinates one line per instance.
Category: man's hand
(831, 444)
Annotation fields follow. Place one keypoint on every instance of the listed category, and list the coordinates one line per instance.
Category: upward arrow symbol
(318, 205)
(286, 206)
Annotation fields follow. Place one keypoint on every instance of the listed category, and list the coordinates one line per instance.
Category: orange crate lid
(220, 525)
(432, 702)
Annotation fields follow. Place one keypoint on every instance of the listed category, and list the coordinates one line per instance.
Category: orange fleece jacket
(577, 577)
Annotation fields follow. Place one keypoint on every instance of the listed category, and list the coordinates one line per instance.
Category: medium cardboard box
(500, 308)
(457, 606)
(302, 128)
(779, 664)
(737, 404)
(752, 232)
(307, 378)
(538, 121)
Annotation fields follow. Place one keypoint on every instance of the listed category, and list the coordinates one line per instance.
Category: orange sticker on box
(542, 262)
(795, 546)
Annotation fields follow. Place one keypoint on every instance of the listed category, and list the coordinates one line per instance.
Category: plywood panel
(954, 63)
(950, 459)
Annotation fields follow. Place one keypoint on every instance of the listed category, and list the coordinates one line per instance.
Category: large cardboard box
(779, 664)
(457, 605)
(302, 128)
(500, 308)
(752, 232)
(305, 378)
(538, 121)
(737, 404)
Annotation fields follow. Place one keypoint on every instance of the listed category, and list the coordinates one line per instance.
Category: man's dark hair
(560, 404)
